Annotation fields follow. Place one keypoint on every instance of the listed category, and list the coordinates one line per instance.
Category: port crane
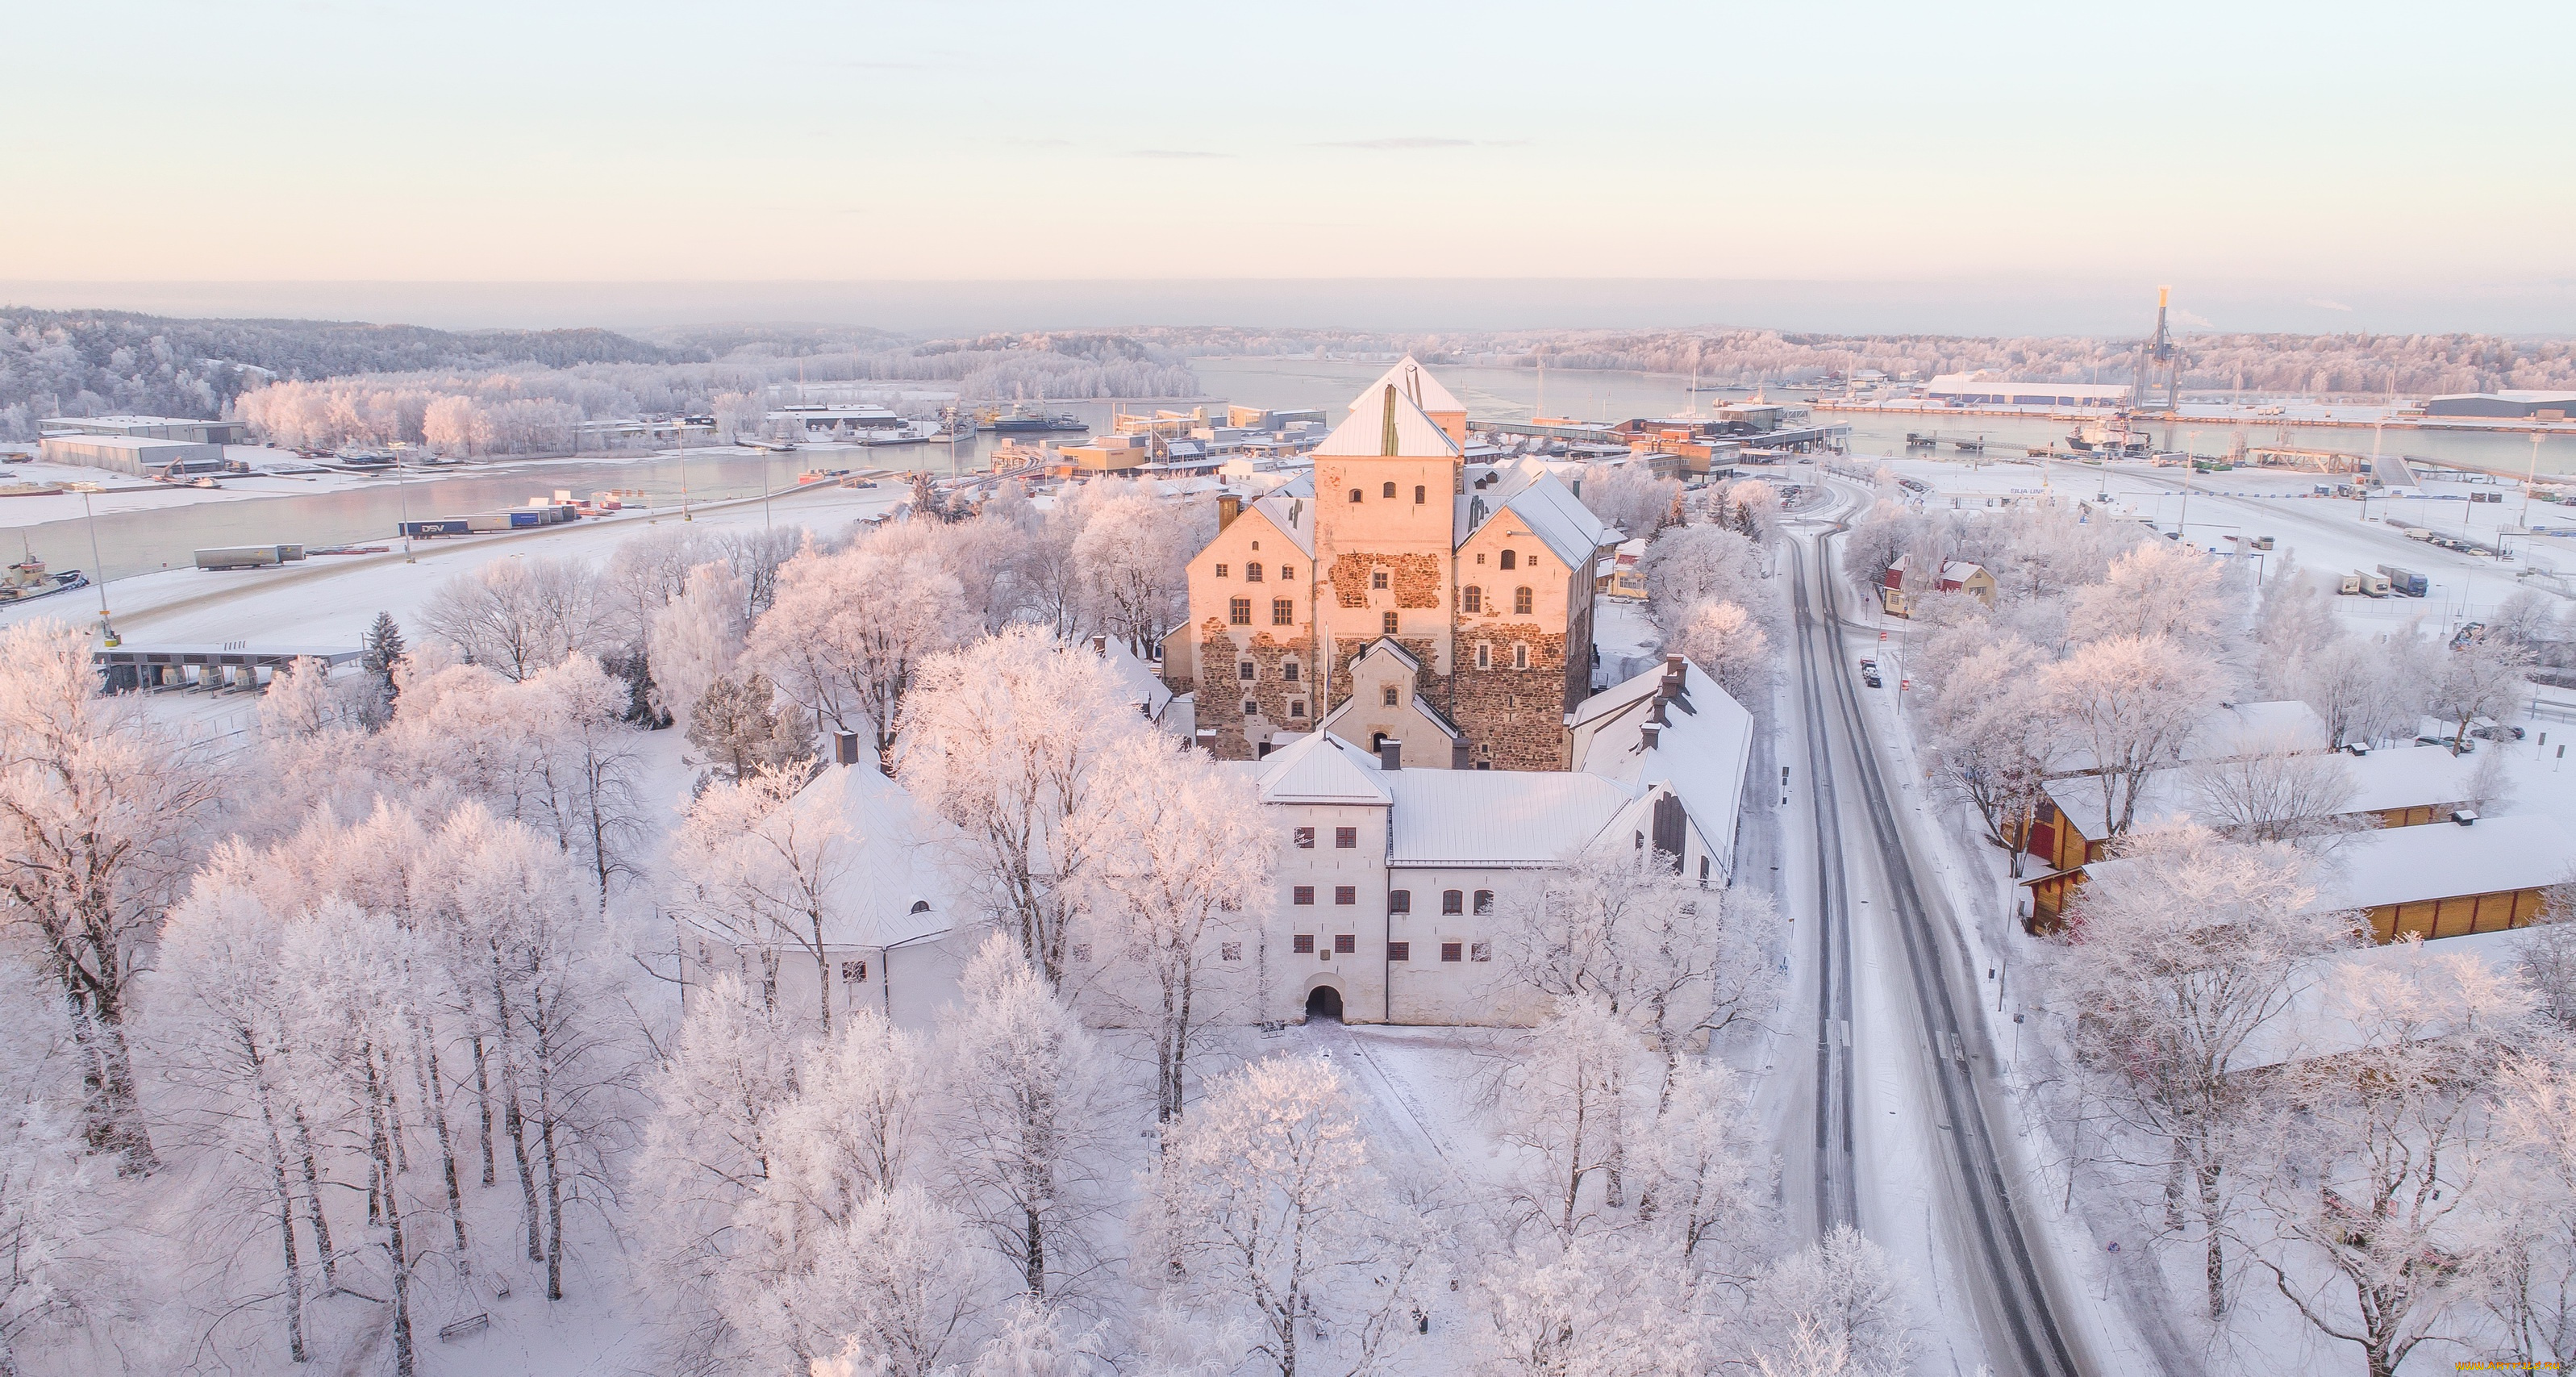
(2160, 355)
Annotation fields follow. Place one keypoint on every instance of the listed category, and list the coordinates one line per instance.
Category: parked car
(1869, 673)
(2496, 731)
(2449, 743)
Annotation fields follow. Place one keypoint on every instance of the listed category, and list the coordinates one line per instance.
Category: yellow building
(1399, 593)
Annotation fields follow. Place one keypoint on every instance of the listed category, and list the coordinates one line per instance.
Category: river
(140, 542)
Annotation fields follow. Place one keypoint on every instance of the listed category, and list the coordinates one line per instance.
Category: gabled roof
(901, 855)
(1543, 503)
(1372, 421)
(1704, 750)
(1291, 508)
(1412, 380)
(1319, 768)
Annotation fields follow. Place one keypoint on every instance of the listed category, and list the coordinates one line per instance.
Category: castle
(1399, 596)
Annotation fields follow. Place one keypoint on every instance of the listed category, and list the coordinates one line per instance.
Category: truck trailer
(248, 556)
(2373, 583)
(2405, 581)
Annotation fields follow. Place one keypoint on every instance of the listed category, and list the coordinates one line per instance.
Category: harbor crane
(2160, 356)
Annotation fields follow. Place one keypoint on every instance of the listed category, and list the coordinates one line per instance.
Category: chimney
(1228, 507)
(2466, 817)
(845, 748)
(1100, 645)
(1390, 755)
(1654, 732)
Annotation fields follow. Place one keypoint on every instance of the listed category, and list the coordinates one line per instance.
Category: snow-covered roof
(1364, 435)
(1543, 503)
(1319, 767)
(1413, 380)
(1142, 685)
(2411, 777)
(1702, 753)
(1952, 571)
(2455, 974)
(1497, 817)
(898, 848)
(1291, 508)
(2404, 865)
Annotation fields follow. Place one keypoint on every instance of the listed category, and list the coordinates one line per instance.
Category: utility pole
(684, 458)
(2533, 479)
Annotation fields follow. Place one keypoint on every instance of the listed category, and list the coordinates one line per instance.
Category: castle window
(1256, 545)
(1473, 600)
(1399, 951)
(1484, 656)
(1453, 901)
(1481, 951)
(854, 972)
(1377, 579)
(1507, 559)
(1484, 901)
(1480, 558)
(1220, 571)
(1388, 622)
(1246, 671)
(1345, 944)
(1297, 709)
(1305, 839)
(1390, 491)
(1355, 494)
(1522, 601)
(1252, 573)
(1239, 611)
(1421, 494)
(1346, 838)
(1303, 943)
(1250, 708)
(1344, 894)
(1283, 612)
(1449, 951)
(1287, 571)
(1399, 901)
(1303, 894)
(1520, 655)
(1288, 670)
(1390, 695)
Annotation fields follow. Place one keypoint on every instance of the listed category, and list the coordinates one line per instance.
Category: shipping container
(444, 526)
(2405, 581)
(520, 519)
(2349, 584)
(488, 521)
(2373, 583)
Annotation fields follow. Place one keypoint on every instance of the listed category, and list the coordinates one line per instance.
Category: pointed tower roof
(1412, 380)
(1385, 424)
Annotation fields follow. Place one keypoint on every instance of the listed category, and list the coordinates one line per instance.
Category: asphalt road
(2013, 1304)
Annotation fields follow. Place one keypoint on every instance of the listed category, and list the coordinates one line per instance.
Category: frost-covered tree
(99, 813)
(1725, 640)
(519, 616)
(2482, 678)
(2378, 1214)
(1838, 1309)
(1008, 738)
(2181, 961)
(1573, 1102)
(1674, 961)
(2128, 704)
(697, 638)
(759, 863)
(1133, 562)
(50, 1220)
(898, 1286)
(2283, 792)
(1992, 743)
(1265, 1206)
(1183, 861)
(850, 632)
(1630, 497)
(2159, 589)
(1028, 1117)
(1686, 566)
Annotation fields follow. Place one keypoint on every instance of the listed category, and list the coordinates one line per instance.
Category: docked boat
(1024, 419)
(28, 580)
(2108, 437)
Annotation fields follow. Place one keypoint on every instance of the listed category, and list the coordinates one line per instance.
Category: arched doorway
(1324, 1002)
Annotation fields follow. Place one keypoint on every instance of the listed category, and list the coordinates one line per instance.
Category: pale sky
(2329, 148)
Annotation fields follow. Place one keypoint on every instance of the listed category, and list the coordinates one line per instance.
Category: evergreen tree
(380, 649)
(742, 725)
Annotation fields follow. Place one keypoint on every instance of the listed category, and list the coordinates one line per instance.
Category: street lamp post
(684, 467)
(90, 518)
